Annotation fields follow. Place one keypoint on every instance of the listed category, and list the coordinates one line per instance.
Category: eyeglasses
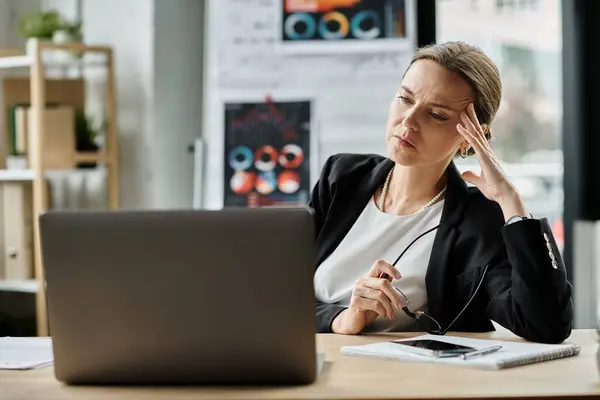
(426, 321)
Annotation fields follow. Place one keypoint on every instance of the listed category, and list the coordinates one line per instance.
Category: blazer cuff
(326, 313)
(532, 249)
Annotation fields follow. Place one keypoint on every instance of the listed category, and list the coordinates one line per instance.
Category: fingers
(472, 177)
(370, 299)
(385, 287)
(469, 132)
(381, 267)
(375, 292)
(475, 121)
(365, 304)
(473, 128)
(473, 117)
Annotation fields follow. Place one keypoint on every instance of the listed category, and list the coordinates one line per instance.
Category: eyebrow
(439, 105)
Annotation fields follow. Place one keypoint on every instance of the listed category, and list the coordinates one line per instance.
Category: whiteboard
(350, 88)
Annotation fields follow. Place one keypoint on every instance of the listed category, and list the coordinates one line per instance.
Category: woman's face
(421, 125)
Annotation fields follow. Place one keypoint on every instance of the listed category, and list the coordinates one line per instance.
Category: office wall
(10, 13)
(158, 57)
(177, 88)
(351, 90)
(159, 69)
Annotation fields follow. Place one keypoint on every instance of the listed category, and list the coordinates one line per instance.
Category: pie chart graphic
(291, 156)
(240, 158)
(265, 158)
(288, 182)
(266, 182)
(242, 182)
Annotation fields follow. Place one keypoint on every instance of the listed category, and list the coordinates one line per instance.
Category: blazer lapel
(351, 201)
(445, 237)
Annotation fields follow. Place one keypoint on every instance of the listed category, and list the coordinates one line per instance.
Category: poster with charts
(267, 153)
(345, 26)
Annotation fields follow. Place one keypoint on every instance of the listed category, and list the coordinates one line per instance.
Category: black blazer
(523, 289)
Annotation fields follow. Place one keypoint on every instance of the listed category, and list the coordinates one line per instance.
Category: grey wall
(178, 66)
(10, 13)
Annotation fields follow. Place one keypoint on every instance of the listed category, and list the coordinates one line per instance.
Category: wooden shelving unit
(39, 86)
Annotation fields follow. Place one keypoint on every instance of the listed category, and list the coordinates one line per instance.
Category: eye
(405, 99)
(438, 117)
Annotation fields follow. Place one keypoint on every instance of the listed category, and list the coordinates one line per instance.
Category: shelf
(21, 285)
(28, 175)
(16, 175)
(27, 61)
(90, 157)
(46, 72)
(15, 62)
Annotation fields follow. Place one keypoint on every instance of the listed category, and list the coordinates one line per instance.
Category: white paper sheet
(25, 353)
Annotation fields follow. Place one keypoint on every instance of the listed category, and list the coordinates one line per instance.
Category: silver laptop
(181, 297)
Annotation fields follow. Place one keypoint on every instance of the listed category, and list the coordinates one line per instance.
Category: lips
(404, 141)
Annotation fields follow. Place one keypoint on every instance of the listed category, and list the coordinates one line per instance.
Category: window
(527, 128)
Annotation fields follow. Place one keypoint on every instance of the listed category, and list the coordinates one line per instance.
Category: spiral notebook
(512, 354)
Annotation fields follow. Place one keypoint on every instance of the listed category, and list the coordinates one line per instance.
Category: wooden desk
(361, 378)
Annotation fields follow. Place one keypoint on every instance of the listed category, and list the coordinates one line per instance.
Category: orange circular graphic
(338, 30)
(266, 182)
(288, 182)
(291, 156)
(242, 182)
(265, 158)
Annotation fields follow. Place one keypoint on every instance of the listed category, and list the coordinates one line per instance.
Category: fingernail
(398, 276)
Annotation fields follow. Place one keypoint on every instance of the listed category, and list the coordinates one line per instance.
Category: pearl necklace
(426, 206)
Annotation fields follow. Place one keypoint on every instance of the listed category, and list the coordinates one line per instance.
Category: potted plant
(87, 135)
(69, 32)
(39, 25)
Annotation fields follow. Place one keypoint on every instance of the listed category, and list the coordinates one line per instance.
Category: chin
(403, 156)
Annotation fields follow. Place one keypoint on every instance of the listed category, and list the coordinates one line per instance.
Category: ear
(484, 127)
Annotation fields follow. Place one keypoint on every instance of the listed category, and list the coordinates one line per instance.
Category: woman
(463, 255)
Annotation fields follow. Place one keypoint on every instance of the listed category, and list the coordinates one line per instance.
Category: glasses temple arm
(443, 332)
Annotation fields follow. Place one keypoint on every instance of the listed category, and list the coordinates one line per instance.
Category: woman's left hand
(492, 182)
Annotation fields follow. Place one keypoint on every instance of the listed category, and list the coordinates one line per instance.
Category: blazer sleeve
(321, 195)
(527, 284)
(320, 200)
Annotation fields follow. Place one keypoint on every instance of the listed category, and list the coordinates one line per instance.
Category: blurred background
(216, 103)
(524, 38)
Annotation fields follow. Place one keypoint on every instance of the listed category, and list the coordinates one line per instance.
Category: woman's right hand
(372, 296)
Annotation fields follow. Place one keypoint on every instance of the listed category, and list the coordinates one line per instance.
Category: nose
(410, 120)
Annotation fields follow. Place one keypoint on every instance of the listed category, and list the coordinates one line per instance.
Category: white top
(379, 236)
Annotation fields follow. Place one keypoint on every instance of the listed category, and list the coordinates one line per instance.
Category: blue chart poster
(267, 153)
(319, 21)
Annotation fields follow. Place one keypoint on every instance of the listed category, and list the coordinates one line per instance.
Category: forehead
(428, 78)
